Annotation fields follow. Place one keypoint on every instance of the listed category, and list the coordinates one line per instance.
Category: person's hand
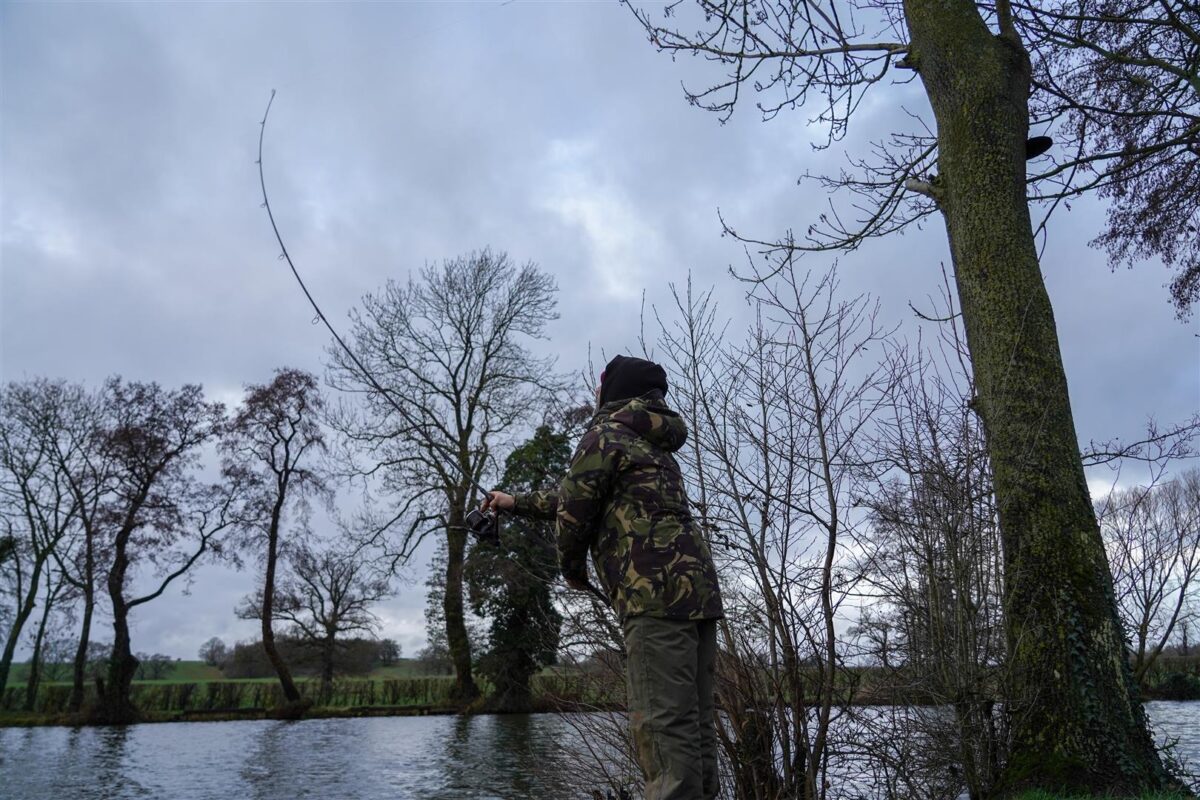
(498, 501)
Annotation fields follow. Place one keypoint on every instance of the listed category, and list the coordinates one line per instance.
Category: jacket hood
(627, 377)
(649, 417)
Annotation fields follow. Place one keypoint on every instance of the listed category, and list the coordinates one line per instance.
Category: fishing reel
(483, 525)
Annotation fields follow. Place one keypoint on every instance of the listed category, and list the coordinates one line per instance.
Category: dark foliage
(1119, 79)
(351, 657)
(509, 580)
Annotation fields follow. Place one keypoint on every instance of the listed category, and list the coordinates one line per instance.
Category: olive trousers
(670, 683)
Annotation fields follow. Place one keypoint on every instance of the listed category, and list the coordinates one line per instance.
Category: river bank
(31, 719)
(399, 695)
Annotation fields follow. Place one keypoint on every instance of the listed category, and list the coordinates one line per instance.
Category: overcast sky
(133, 241)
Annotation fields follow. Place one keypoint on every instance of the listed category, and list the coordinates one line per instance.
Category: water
(440, 758)
(381, 757)
(1178, 723)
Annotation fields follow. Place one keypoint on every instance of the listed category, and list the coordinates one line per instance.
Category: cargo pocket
(642, 696)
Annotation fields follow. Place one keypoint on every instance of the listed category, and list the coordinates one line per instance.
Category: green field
(192, 689)
(198, 671)
(1040, 795)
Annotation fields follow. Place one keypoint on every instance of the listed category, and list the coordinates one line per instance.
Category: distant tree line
(248, 659)
(110, 496)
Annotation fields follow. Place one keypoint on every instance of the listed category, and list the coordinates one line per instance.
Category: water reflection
(108, 762)
(501, 756)
(269, 758)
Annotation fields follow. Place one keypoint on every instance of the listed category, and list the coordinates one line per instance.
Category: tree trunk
(512, 692)
(290, 692)
(85, 632)
(1077, 723)
(327, 652)
(37, 657)
(116, 705)
(464, 690)
(14, 633)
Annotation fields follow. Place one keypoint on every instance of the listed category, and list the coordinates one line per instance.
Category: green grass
(199, 672)
(188, 691)
(1041, 795)
(193, 671)
(404, 668)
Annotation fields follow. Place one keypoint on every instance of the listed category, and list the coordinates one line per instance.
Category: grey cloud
(133, 240)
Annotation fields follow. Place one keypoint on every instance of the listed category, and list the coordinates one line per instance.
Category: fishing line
(446, 452)
(366, 373)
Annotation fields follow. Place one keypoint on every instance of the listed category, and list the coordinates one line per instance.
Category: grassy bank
(28, 719)
(1040, 795)
(192, 690)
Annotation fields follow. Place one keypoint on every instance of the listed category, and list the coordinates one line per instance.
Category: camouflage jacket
(623, 497)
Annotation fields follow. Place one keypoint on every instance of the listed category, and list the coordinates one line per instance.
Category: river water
(517, 756)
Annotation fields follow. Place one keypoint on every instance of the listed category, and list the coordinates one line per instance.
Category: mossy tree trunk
(1077, 723)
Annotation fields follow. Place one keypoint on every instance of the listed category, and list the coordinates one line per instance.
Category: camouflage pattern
(623, 497)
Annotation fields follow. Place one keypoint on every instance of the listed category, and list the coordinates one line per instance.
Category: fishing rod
(480, 523)
(366, 373)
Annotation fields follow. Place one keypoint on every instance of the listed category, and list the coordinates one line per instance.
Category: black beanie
(626, 377)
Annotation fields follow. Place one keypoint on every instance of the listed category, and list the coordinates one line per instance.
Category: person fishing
(623, 498)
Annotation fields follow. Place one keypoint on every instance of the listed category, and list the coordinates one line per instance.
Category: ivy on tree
(509, 579)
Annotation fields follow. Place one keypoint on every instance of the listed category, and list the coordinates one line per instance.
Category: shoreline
(34, 719)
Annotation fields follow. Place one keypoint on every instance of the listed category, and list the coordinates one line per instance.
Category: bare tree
(58, 650)
(778, 452)
(85, 458)
(934, 566)
(214, 652)
(436, 653)
(272, 441)
(449, 349)
(162, 517)
(975, 65)
(883, 635)
(56, 597)
(37, 508)
(153, 666)
(329, 593)
(1153, 539)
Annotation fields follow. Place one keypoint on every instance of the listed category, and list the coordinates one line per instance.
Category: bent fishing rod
(476, 522)
(362, 369)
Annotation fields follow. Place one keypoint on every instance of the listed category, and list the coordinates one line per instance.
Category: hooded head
(627, 377)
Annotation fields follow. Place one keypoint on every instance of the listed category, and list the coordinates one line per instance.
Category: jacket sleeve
(538, 505)
(582, 497)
